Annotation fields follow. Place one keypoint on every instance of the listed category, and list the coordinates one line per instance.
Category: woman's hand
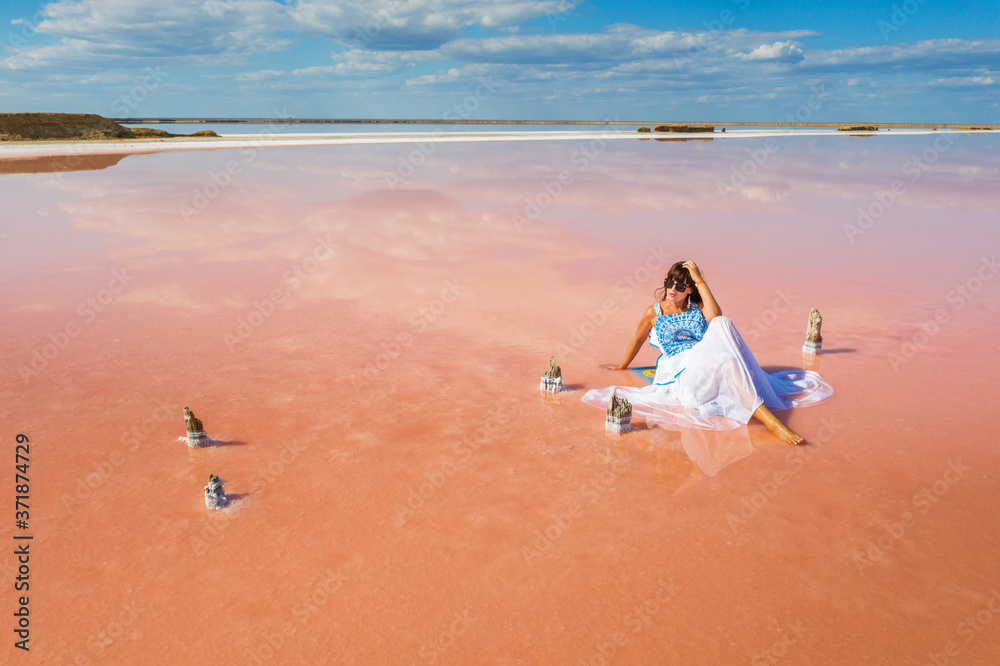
(709, 306)
(608, 366)
(693, 270)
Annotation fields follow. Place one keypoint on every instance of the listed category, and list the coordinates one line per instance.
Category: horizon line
(231, 120)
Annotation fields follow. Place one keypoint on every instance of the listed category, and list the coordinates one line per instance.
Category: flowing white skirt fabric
(715, 385)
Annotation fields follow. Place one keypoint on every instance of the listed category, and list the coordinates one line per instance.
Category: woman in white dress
(706, 376)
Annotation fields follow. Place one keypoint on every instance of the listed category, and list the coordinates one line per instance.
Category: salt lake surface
(362, 329)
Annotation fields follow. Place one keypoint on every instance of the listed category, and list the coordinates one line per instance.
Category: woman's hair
(678, 273)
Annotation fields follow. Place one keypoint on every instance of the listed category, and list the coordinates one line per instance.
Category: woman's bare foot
(781, 432)
(776, 427)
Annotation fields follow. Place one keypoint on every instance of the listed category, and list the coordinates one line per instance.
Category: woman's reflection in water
(682, 458)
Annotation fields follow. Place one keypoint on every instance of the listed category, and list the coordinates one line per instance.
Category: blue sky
(723, 60)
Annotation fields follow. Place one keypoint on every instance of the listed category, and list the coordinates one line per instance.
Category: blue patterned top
(679, 331)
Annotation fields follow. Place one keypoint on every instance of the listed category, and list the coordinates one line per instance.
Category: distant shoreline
(230, 120)
(13, 150)
(19, 128)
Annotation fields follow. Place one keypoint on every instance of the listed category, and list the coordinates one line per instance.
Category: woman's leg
(776, 427)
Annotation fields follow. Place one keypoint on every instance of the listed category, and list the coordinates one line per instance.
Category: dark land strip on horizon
(223, 120)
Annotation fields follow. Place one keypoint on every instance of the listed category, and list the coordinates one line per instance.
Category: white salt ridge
(197, 440)
(551, 384)
(618, 425)
(20, 150)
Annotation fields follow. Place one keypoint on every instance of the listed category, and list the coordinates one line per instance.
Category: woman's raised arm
(710, 308)
(641, 332)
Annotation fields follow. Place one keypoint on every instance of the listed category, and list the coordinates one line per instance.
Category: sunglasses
(668, 283)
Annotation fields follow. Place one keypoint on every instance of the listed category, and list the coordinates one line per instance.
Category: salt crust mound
(86, 126)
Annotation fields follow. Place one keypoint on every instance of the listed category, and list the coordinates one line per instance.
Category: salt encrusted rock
(619, 418)
(215, 494)
(684, 128)
(814, 341)
(552, 380)
(196, 435)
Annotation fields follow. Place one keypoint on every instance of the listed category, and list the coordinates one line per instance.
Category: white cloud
(619, 43)
(412, 24)
(965, 81)
(928, 55)
(354, 64)
(778, 51)
(345, 69)
(661, 69)
(131, 33)
(261, 75)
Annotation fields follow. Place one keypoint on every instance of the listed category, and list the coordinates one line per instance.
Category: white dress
(707, 377)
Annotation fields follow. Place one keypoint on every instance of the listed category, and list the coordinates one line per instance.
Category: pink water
(369, 359)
